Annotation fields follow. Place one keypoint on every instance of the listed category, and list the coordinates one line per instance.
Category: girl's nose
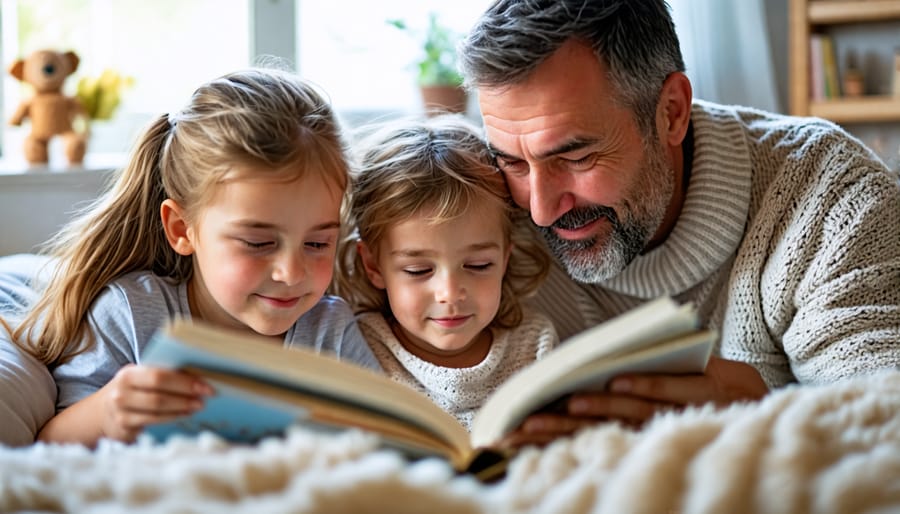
(290, 268)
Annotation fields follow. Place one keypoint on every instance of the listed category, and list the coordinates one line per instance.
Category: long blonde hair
(264, 120)
(441, 167)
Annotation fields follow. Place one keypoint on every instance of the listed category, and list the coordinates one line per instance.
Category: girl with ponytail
(228, 211)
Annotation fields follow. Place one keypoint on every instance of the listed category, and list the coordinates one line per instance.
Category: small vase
(444, 99)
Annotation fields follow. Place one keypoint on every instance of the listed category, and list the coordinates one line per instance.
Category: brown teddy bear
(51, 112)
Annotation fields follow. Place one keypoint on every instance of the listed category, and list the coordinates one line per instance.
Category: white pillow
(27, 389)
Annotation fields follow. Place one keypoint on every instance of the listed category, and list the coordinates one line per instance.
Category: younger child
(437, 267)
(229, 212)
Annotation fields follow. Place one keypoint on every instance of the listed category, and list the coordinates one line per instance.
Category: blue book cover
(236, 416)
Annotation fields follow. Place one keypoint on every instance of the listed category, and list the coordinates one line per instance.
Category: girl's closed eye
(417, 271)
(318, 245)
(480, 266)
(257, 245)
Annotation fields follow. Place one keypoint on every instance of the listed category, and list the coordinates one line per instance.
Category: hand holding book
(634, 398)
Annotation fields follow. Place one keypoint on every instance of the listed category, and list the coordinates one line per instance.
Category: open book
(262, 388)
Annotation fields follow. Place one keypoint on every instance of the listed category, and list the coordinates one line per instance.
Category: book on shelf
(263, 388)
(816, 70)
(830, 68)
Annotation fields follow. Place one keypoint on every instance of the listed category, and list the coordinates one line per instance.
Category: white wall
(36, 203)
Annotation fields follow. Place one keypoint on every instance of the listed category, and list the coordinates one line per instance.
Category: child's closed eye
(417, 272)
(257, 245)
(318, 245)
(480, 266)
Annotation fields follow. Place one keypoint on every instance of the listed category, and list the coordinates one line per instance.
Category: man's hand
(632, 399)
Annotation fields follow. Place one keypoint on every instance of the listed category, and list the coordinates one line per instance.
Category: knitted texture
(460, 391)
(788, 243)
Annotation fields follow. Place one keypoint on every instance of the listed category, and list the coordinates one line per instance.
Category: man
(784, 232)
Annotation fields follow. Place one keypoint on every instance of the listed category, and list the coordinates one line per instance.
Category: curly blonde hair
(440, 166)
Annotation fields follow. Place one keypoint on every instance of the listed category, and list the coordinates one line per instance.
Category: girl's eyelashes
(419, 272)
(257, 245)
(318, 245)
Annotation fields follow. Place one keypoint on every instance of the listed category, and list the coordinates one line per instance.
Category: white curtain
(726, 51)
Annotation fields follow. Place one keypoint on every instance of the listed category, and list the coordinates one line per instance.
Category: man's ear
(674, 111)
(370, 263)
(176, 227)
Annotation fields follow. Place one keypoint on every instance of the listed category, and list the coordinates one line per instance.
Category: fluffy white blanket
(829, 449)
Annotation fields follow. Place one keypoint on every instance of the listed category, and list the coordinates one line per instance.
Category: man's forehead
(537, 137)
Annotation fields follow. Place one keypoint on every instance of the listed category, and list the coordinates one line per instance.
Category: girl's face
(443, 281)
(263, 252)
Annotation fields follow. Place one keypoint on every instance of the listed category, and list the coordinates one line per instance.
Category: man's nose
(549, 199)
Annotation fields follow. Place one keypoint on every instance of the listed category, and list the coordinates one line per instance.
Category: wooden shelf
(857, 110)
(805, 16)
(825, 12)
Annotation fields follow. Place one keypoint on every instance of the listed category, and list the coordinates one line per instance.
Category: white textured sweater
(461, 391)
(788, 243)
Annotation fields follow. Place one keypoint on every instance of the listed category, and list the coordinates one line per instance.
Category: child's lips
(451, 321)
(280, 302)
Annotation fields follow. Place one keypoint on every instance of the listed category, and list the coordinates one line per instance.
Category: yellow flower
(101, 95)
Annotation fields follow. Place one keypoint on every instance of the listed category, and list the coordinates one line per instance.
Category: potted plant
(438, 77)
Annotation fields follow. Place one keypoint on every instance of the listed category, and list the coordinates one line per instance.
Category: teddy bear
(51, 112)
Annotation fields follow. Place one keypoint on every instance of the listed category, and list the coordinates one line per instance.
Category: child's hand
(138, 396)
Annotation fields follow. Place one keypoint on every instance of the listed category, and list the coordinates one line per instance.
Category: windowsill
(14, 170)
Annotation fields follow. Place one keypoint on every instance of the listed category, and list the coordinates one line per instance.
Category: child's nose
(290, 268)
(450, 289)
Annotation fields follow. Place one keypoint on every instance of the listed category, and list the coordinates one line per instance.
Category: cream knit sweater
(460, 391)
(788, 243)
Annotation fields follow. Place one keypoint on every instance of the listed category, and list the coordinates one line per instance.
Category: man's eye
(512, 166)
(583, 164)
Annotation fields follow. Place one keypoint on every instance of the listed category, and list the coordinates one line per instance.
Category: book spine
(816, 71)
(829, 59)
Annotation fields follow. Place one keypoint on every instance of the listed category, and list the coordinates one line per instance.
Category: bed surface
(825, 449)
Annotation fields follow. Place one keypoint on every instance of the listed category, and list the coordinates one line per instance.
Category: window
(171, 46)
(365, 64)
(168, 46)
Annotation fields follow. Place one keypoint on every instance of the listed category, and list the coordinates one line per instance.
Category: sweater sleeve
(846, 294)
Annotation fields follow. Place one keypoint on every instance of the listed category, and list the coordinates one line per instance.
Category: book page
(687, 354)
(660, 320)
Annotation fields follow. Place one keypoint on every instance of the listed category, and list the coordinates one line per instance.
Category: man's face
(576, 160)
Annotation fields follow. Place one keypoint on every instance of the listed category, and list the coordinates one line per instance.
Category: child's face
(443, 281)
(264, 252)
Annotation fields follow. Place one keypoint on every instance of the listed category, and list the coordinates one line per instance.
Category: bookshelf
(805, 16)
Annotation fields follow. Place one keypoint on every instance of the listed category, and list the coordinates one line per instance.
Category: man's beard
(588, 260)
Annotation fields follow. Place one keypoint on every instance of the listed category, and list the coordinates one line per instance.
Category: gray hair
(635, 38)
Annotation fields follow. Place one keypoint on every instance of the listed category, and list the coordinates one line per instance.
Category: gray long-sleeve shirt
(130, 309)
